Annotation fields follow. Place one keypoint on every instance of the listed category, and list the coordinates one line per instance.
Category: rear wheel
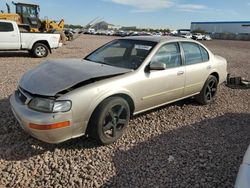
(109, 120)
(209, 91)
(40, 50)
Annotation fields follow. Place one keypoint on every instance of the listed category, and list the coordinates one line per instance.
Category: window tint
(168, 54)
(6, 27)
(204, 53)
(192, 53)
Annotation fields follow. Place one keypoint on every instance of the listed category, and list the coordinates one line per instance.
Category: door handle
(209, 67)
(180, 73)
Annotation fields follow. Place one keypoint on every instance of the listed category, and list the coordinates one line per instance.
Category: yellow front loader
(28, 14)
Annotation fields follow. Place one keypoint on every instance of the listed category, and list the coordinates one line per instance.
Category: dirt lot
(179, 145)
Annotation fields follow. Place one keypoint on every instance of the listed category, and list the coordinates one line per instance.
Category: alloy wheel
(211, 90)
(115, 121)
(40, 51)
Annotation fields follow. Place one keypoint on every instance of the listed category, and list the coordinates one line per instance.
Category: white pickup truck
(39, 44)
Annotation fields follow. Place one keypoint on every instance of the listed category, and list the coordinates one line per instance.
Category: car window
(168, 54)
(24, 28)
(192, 53)
(125, 53)
(6, 27)
(204, 53)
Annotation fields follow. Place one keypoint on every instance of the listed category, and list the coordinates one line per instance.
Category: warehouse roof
(225, 22)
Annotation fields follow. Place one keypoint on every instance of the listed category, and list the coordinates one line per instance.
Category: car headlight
(61, 106)
(48, 105)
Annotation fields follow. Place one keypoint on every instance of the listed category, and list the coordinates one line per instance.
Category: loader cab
(29, 14)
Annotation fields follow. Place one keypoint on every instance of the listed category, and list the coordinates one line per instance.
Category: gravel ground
(179, 145)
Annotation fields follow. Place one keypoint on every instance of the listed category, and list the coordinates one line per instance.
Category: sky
(173, 14)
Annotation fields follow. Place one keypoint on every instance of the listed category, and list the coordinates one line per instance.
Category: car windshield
(125, 53)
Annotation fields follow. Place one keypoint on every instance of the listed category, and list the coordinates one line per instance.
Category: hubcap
(40, 51)
(115, 121)
(211, 90)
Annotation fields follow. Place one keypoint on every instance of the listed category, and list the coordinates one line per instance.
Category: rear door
(197, 67)
(9, 37)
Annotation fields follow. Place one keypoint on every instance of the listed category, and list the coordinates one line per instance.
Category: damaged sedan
(96, 96)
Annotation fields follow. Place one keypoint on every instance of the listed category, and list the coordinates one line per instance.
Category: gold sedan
(63, 99)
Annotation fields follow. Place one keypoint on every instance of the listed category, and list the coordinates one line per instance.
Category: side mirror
(157, 66)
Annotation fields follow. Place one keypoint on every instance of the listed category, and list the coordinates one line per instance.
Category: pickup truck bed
(39, 44)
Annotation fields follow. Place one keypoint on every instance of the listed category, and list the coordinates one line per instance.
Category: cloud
(154, 5)
(225, 12)
(191, 7)
(145, 5)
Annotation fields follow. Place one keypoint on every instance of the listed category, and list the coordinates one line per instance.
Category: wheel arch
(216, 76)
(126, 97)
(43, 42)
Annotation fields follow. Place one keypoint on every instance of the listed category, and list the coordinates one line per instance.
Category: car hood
(54, 76)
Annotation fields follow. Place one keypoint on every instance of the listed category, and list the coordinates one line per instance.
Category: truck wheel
(208, 92)
(109, 120)
(40, 50)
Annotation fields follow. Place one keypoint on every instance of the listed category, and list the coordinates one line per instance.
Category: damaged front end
(41, 103)
(57, 77)
(51, 104)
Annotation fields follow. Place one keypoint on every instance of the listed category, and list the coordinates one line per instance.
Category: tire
(70, 37)
(109, 120)
(40, 50)
(208, 92)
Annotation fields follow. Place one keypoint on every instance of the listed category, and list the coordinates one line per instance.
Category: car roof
(158, 39)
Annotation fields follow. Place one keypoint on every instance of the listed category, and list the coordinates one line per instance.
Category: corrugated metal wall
(222, 27)
(224, 30)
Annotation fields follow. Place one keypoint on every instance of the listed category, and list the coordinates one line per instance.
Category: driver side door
(164, 86)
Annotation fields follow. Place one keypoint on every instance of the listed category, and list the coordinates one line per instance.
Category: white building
(240, 27)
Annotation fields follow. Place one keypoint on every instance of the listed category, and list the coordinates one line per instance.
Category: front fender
(109, 93)
(85, 101)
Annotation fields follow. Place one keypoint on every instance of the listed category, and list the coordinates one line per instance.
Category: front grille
(21, 96)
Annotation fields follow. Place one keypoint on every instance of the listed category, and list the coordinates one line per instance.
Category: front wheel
(208, 92)
(40, 50)
(109, 120)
